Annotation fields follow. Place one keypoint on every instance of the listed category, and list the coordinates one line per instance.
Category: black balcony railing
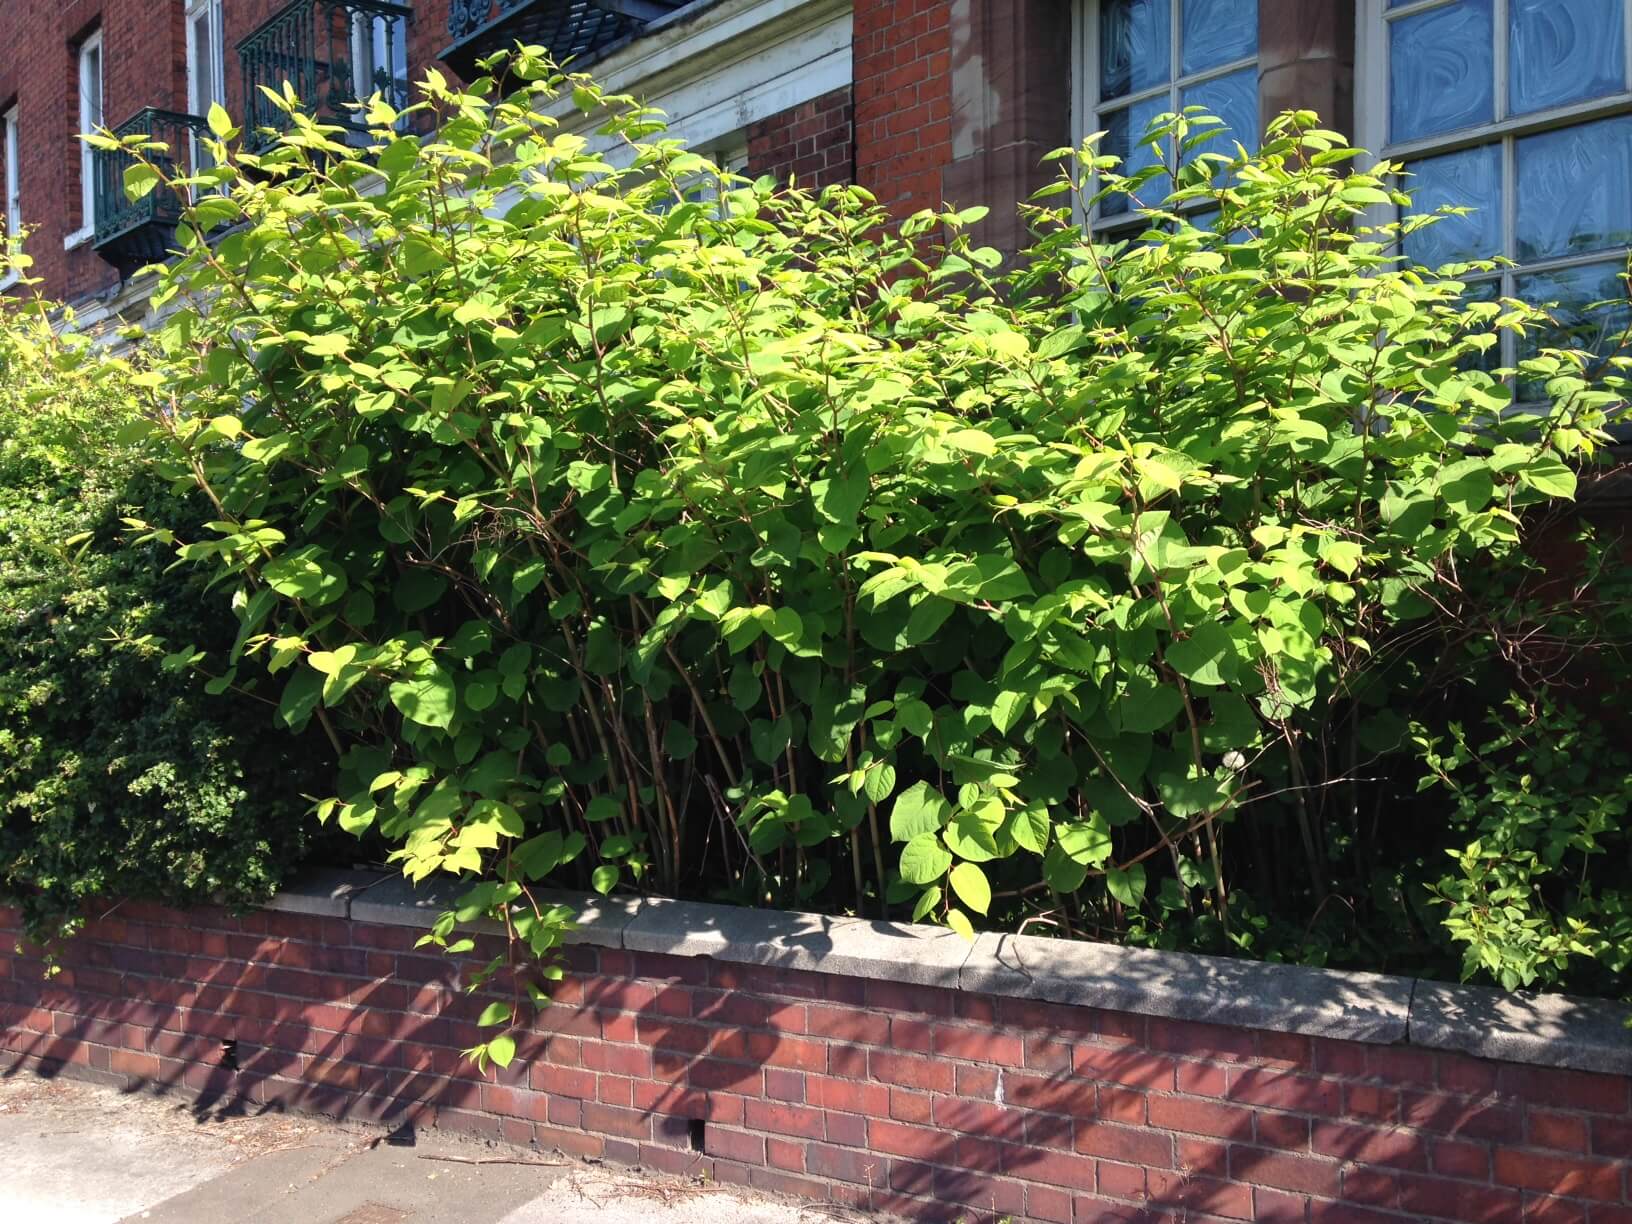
(578, 31)
(333, 53)
(130, 233)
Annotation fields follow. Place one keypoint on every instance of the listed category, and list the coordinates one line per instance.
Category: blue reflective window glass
(1590, 311)
(1123, 130)
(1575, 189)
(1562, 51)
(1234, 99)
(1135, 46)
(1441, 70)
(1470, 178)
(1215, 32)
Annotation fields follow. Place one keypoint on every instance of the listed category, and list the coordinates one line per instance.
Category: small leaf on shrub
(604, 878)
(1063, 873)
(494, 1013)
(429, 699)
(502, 1049)
(918, 809)
(970, 883)
(140, 180)
(1006, 710)
(879, 781)
(959, 922)
(924, 860)
(1127, 886)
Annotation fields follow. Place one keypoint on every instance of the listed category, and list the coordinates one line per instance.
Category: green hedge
(119, 777)
(754, 548)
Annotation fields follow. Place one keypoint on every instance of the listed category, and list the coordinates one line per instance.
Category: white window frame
(1087, 108)
(206, 80)
(206, 72)
(365, 53)
(11, 146)
(1373, 117)
(88, 122)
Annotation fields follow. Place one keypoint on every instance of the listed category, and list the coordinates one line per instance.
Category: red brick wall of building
(903, 100)
(39, 74)
(932, 1103)
(811, 143)
(144, 45)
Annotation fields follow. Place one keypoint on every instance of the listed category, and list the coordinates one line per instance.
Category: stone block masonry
(879, 1067)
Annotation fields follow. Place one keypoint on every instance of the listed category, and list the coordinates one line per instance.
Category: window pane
(1441, 70)
(91, 112)
(1234, 99)
(203, 53)
(1470, 178)
(1123, 128)
(1563, 51)
(1575, 189)
(1576, 291)
(1215, 32)
(1135, 46)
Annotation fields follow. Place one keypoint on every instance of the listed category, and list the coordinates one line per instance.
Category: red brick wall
(874, 1095)
(144, 64)
(811, 143)
(903, 100)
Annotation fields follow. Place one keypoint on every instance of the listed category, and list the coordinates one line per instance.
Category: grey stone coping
(1545, 1030)
(1552, 1030)
(1251, 994)
(851, 947)
(327, 893)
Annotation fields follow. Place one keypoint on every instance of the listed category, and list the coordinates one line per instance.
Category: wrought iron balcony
(132, 233)
(333, 53)
(579, 31)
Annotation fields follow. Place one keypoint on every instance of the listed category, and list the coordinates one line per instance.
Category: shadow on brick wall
(931, 1103)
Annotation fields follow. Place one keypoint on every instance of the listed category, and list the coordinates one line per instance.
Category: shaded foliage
(119, 776)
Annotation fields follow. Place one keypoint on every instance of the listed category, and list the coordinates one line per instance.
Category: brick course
(811, 143)
(919, 1101)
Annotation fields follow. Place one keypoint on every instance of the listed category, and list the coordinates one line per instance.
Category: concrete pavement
(79, 1153)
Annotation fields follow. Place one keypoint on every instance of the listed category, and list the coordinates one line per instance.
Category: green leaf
(1206, 656)
(970, 883)
(1063, 873)
(879, 781)
(502, 1049)
(220, 123)
(1127, 886)
(604, 878)
(959, 922)
(1008, 707)
(918, 810)
(923, 860)
(495, 1013)
(1547, 474)
(1030, 827)
(418, 589)
(430, 698)
(928, 615)
(306, 575)
(1088, 843)
(140, 180)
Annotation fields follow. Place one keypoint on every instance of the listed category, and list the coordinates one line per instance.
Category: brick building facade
(1519, 108)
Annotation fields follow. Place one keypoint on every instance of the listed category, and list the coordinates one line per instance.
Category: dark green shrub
(119, 776)
(745, 548)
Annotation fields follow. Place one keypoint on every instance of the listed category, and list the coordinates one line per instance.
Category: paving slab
(83, 1153)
